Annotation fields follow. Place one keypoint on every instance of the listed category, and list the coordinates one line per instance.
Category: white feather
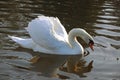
(48, 35)
(28, 43)
(47, 32)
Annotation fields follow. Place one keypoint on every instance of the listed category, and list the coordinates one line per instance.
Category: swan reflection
(77, 65)
(48, 65)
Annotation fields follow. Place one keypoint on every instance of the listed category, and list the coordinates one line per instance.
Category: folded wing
(47, 32)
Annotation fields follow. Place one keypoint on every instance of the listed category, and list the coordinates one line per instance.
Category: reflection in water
(99, 17)
(48, 64)
(78, 66)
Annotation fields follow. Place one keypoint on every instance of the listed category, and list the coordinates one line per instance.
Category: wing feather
(58, 27)
(47, 32)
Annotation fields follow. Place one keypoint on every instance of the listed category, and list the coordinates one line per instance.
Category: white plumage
(48, 35)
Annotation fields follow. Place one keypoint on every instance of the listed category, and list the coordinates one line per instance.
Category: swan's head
(84, 35)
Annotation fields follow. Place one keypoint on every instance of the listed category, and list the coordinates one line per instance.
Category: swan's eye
(91, 44)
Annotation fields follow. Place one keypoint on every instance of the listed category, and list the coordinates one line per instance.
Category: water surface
(100, 18)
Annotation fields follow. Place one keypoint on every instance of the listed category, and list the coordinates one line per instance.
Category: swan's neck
(73, 40)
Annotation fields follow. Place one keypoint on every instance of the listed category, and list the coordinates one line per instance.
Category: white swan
(49, 36)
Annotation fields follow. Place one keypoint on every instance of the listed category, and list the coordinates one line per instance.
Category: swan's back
(47, 32)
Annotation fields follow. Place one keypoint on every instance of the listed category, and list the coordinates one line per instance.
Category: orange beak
(91, 44)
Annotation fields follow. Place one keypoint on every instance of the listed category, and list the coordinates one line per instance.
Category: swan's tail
(26, 43)
(16, 39)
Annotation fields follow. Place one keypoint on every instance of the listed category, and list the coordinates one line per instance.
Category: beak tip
(91, 46)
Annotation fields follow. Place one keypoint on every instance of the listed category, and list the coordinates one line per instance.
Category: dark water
(100, 18)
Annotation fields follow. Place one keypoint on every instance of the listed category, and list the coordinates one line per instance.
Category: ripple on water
(108, 17)
(108, 33)
(107, 26)
(105, 21)
(107, 42)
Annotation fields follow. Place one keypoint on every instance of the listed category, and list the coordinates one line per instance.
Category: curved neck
(72, 37)
(73, 41)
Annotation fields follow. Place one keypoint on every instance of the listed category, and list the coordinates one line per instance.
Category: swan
(49, 36)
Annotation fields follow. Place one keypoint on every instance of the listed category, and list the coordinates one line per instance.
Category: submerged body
(49, 36)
